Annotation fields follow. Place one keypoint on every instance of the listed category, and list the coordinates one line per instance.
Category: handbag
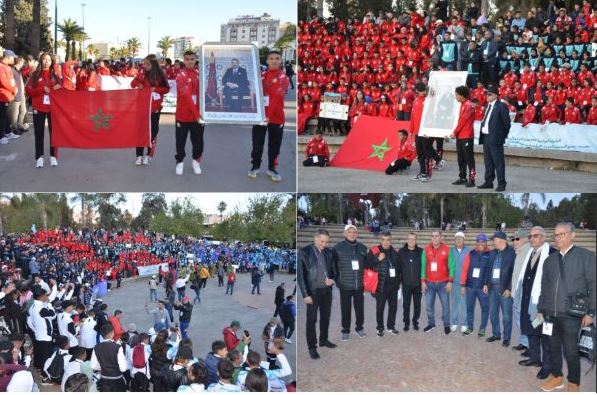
(586, 344)
(370, 280)
(576, 304)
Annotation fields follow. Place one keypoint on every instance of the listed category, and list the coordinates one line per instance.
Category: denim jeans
(458, 306)
(197, 295)
(180, 293)
(230, 287)
(473, 294)
(153, 295)
(184, 327)
(440, 290)
(496, 303)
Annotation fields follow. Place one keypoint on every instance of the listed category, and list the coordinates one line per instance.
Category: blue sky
(116, 21)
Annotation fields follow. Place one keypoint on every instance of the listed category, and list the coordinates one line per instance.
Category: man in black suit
(495, 127)
(236, 85)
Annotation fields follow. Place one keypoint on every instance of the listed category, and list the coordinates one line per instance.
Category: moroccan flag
(101, 119)
(371, 144)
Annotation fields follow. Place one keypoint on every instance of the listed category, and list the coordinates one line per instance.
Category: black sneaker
(327, 343)
(428, 328)
(313, 353)
(493, 339)
(447, 330)
(416, 326)
(392, 331)
(470, 184)
(406, 328)
(460, 181)
(380, 332)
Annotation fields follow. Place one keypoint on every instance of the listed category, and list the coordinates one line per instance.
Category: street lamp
(83, 12)
(55, 27)
(148, 33)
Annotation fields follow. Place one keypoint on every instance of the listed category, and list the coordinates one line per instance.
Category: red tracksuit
(187, 95)
(550, 113)
(529, 115)
(156, 103)
(275, 84)
(8, 87)
(416, 115)
(466, 118)
(317, 147)
(592, 116)
(572, 115)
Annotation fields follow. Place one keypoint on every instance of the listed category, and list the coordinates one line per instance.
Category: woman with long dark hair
(42, 81)
(87, 77)
(154, 78)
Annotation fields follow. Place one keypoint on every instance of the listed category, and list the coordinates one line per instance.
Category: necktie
(532, 258)
(485, 117)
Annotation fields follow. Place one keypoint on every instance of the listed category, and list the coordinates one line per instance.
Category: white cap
(459, 234)
(350, 226)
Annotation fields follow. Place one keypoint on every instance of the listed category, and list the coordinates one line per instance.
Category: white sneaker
(39, 163)
(454, 328)
(53, 161)
(253, 173)
(11, 136)
(3, 140)
(146, 160)
(196, 167)
(179, 168)
(139, 161)
(288, 341)
(463, 328)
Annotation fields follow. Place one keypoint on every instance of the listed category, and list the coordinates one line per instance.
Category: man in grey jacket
(349, 259)
(520, 242)
(578, 267)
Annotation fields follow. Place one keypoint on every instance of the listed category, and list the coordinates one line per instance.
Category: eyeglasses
(516, 239)
(559, 235)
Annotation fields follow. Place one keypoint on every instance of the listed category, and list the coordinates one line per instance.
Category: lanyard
(435, 253)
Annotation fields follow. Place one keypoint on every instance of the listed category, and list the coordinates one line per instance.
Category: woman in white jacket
(88, 334)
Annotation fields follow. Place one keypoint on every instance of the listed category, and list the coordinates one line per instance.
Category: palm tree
(36, 28)
(9, 24)
(221, 208)
(165, 44)
(133, 45)
(81, 197)
(70, 30)
(525, 200)
(80, 38)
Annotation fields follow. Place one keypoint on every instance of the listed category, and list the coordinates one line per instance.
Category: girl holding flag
(43, 80)
(152, 77)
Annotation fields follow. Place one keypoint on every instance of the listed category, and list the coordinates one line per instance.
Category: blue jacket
(211, 362)
(508, 257)
(477, 260)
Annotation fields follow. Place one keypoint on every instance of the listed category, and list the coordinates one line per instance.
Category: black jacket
(498, 125)
(506, 268)
(385, 282)
(344, 252)
(307, 268)
(279, 298)
(411, 265)
(186, 309)
(579, 270)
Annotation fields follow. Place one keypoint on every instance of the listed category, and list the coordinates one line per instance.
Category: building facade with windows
(263, 30)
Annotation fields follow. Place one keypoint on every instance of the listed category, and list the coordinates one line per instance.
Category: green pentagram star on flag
(100, 120)
(380, 150)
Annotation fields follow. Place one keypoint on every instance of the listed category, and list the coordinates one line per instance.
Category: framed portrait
(231, 88)
(440, 112)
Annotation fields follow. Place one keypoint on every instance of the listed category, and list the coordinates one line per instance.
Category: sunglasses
(515, 239)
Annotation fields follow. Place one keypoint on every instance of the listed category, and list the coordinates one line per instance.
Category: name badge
(266, 101)
(434, 266)
(315, 159)
(155, 96)
(476, 272)
(392, 272)
(194, 99)
(355, 264)
(403, 101)
(496, 273)
(46, 99)
(547, 328)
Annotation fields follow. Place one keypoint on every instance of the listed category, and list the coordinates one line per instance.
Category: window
(253, 36)
(233, 33)
(271, 34)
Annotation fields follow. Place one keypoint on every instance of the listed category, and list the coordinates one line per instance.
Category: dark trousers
(420, 147)
(109, 385)
(182, 131)
(440, 148)
(41, 352)
(403, 116)
(4, 119)
(257, 287)
(539, 350)
(220, 281)
(494, 164)
(274, 141)
(347, 299)
(288, 328)
(39, 125)
(564, 338)
(321, 161)
(397, 165)
(391, 298)
(411, 293)
(466, 157)
(155, 127)
(322, 302)
(277, 310)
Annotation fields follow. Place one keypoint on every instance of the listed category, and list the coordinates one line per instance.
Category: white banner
(440, 112)
(151, 269)
(113, 83)
(169, 101)
(333, 111)
(574, 137)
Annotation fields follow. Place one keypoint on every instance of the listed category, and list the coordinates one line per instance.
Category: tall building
(181, 44)
(262, 30)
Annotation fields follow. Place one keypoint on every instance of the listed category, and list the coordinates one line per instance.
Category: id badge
(315, 159)
(392, 272)
(547, 328)
(265, 101)
(476, 272)
(434, 266)
(355, 264)
(403, 101)
(194, 99)
(157, 96)
(496, 273)
(46, 100)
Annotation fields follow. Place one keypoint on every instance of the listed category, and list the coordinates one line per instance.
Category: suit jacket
(498, 124)
(240, 78)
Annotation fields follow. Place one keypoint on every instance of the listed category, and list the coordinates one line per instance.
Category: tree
(152, 204)
(110, 216)
(132, 46)
(525, 200)
(36, 28)
(287, 38)
(182, 218)
(9, 24)
(79, 38)
(165, 43)
(70, 30)
(221, 208)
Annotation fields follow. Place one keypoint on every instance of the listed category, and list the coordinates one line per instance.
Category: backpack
(139, 383)
(139, 356)
(56, 368)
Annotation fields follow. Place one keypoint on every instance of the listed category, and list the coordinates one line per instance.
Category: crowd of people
(521, 280)
(543, 64)
(56, 329)
(28, 82)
